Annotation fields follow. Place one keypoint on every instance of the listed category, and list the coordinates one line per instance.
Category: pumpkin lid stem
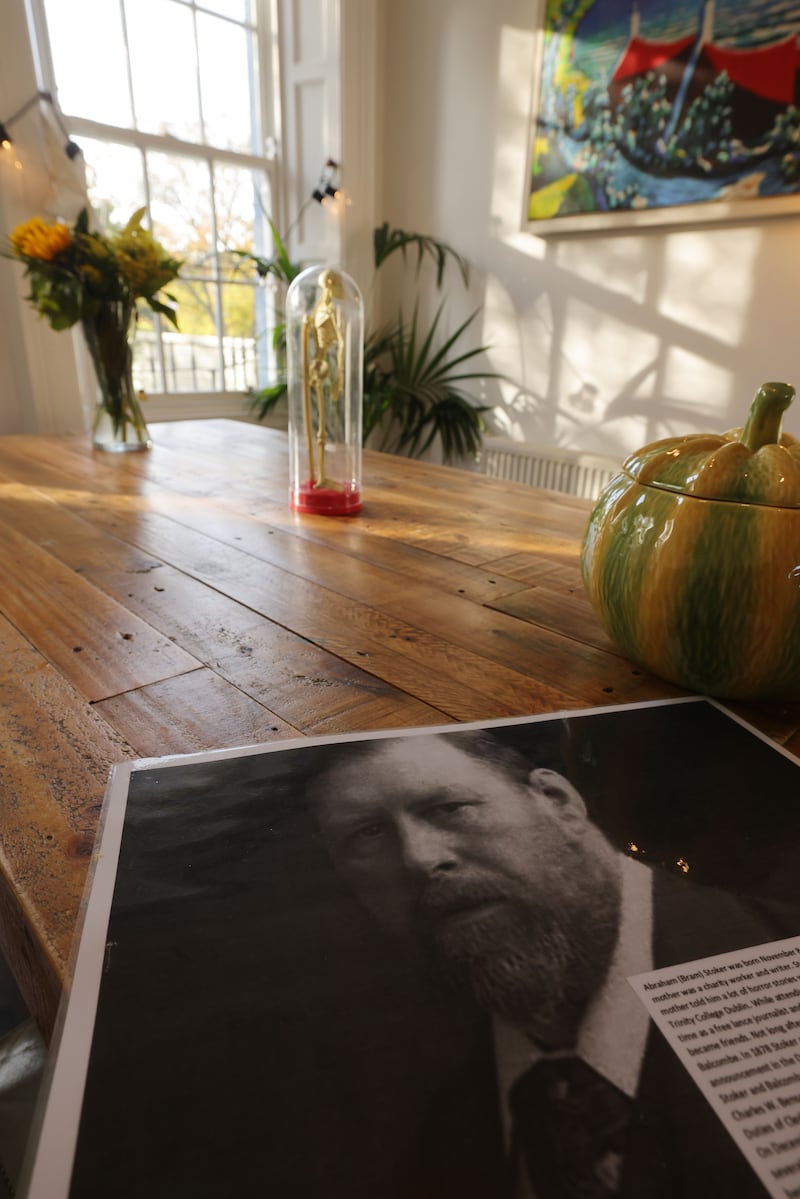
(766, 413)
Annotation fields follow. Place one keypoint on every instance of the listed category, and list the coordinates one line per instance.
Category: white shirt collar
(614, 1031)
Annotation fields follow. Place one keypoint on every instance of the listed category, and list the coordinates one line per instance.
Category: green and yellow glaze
(692, 557)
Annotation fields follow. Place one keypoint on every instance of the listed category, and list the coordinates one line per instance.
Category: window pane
(163, 67)
(197, 306)
(193, 363)
(92, 83)
(187, 61)
(243, 201)
(147, 374)
(192, 355)
(180, 204)
(228, 82)
(115, 180)
(240, 343)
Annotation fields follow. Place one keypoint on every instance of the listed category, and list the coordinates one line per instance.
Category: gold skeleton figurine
(317, 372)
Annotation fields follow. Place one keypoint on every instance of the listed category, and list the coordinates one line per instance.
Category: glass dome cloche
(325, 358)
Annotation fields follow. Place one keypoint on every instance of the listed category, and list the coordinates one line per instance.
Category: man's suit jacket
(678, 1148)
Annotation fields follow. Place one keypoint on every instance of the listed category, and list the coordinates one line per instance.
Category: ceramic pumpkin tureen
(692, 557)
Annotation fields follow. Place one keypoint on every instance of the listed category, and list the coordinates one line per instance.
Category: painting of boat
(647, 106)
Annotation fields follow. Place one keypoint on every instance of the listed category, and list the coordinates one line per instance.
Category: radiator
(553, 467)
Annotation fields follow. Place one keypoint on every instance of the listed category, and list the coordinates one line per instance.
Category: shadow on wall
(608, 339)
(628, 339)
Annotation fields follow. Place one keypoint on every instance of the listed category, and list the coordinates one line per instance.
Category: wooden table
(171, 602)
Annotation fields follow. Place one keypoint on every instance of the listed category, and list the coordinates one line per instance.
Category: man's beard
(532, 961)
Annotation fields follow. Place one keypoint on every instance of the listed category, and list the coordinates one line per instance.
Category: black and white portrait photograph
(396, 966)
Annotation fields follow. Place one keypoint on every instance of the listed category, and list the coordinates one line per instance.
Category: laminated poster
(342, 967)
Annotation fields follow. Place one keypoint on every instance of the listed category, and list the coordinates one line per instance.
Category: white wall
(39, 384)
(611, 340)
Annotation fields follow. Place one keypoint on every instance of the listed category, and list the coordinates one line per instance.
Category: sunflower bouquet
(95, 279)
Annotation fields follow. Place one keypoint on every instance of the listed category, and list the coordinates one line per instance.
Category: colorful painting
(650, 107)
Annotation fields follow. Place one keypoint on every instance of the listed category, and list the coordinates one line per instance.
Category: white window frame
(171, 405)
(46, 372)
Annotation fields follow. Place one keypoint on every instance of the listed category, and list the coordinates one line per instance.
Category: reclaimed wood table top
(171, 602)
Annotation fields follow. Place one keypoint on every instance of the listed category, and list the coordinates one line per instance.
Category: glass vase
(119, 425)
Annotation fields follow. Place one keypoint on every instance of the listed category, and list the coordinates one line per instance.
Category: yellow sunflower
(39, 239)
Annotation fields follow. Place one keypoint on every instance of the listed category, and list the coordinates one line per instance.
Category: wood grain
(55, 755)
(95, 643)
(171, 601)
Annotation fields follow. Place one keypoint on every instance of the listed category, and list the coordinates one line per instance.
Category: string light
(71, 148)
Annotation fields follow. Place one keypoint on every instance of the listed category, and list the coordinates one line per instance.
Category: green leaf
(290, 269)
(387, 241)
(412, 389)
(413, 376)
(279, 265)
(135, 221)
(262, 401)
(164, 309)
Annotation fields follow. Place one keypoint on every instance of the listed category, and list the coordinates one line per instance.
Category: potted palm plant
(415, 376)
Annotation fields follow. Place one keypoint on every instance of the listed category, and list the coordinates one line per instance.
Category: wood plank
(98, 645)
(348, 576)
(493, 676)
(37, 515)
(591, 676)
(252, 531)
(412, 519)
(384, 526)
(309, 688)
(55, 754)
(68, 461)
(412, 487)
(278, 542)
(202, 711)
(190, 713)
(228, 570)
(556, 570)
(259, 452)
(319, 692)
(566, 612)
(430, 668)
(406, 501)
(471, 494)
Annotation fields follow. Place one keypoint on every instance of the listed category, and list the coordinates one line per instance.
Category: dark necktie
(569, 1128)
